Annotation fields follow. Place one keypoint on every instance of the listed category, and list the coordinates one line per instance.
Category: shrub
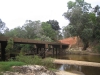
(6, 66)
(9, 47)
(48, 62)
(97, 48)
(29, 59)
(36, 60)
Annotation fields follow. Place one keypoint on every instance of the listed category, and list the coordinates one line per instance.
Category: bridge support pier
(53, 52)
(3, 46)
(56, 53)
(37, 51)
(44, 53)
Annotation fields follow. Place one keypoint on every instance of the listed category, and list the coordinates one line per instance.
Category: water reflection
(70, 67)
(86, 70)
(90, 58)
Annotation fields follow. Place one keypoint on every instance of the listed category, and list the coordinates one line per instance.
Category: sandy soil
(67, 73)
(73, 62)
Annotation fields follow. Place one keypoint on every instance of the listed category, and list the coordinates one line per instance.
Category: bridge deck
(73, 62)
(29, 41)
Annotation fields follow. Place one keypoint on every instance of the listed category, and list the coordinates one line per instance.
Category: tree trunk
(86, 45)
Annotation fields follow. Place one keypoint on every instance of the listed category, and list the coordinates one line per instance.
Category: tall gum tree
(81, 23)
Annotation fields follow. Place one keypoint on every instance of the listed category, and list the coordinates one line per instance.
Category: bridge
(39, 45)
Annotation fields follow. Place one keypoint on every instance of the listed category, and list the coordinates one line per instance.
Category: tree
(2, 26)
(81, 23)
(97, 10)
(32, 29)
(9, 47)
(45, 38)
(96, 19)
(54, 24)
(16, 32)
(48, 31)
(59, 35)
(66, 31)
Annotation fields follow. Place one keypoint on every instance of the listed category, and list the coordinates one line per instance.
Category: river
(87, 70)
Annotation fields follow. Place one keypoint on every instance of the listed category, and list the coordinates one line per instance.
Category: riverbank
(79, 51)
(35, 70)
(73, 62)
(67, 73)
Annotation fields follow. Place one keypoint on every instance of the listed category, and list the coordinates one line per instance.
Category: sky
(15, 12)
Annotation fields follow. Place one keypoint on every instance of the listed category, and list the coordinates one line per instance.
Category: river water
(86, 70)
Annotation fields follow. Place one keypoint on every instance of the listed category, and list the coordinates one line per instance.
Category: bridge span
(39, 45)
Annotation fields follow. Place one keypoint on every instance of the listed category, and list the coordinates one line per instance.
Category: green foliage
(45, 38)
(35, 30)
(97, 10)
(87, 34)
(6, 66)
(29, 59)
(35, 60)
(26, 47)
(66, 32)
(48, 31)
(70, 4)
(48, 62)
(16, 32)
(81, 20)
(51, 28)
(32, 29)
(9, 47)
(96, 31)
(54, 24)
(97, 48)
(23, 60)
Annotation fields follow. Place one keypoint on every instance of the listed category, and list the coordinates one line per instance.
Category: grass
(27, 60)
(6, 66)
(36, 60)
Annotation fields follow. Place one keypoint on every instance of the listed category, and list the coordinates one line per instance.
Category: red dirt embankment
(70, 40)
